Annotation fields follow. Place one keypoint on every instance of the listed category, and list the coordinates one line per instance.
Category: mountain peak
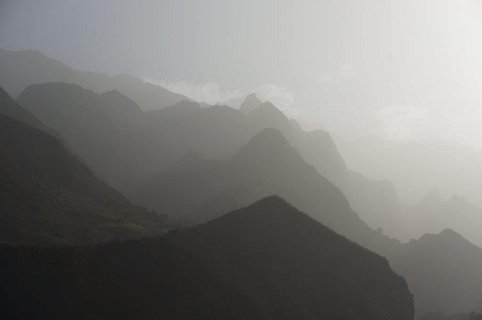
(268, 115)
(267, 211)
(250, 103)
(268, 147)
(446, 236)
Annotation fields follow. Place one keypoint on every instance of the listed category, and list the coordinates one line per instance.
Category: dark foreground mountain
(197, 189)
(266, 261)
(47, 195)
(200, 189)
(443, 272)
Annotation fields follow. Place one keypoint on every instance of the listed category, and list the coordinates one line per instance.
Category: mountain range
(20, 69)
(128, 146)
(198, 189)
(63, 146)
(48, 195)
(266, 261)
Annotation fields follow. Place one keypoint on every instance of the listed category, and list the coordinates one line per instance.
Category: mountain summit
(250, 103)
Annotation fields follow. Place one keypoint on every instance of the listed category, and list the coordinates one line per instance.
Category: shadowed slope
(47, 195)
(266, 261)
(198, 189)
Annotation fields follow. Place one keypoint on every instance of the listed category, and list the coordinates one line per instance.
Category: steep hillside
(128, 148)
(9, 107)
(48, 195)
(266, 261)
(198, 189)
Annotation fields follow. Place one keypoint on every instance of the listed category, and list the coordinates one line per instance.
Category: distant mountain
(20, 69)
(127, 148)
(375, 200)
(48, 195)
(443, 272)
(416, 167)
(249, 104)
(266, 261)
(198, 189)
(434, 214)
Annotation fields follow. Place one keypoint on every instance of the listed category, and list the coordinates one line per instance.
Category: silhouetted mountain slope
(198, 189)
(443, 272)
(10, 108)
(250, 103)
(105, 130)
(128, 148)
(375, 200)
(20, 69)
(47, 195)
(266, 261)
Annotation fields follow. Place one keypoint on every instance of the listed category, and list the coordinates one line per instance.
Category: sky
(400, 69)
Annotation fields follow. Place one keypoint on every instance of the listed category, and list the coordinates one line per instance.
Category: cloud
(212, 93)
(344, 73)
(281, 97)
(403, 122)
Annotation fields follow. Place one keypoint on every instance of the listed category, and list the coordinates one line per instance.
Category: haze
(398, 69)
(227, 159)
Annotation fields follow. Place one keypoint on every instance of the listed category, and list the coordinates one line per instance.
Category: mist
(255, 159)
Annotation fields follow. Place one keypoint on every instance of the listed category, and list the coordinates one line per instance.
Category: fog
(397, 69)
(251, 159)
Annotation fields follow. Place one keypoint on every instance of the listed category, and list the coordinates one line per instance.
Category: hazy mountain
(250, 103)
(416, 167)
(434, 214)
(19, 69)
(375, 200)
(198, 189)
(443, 273)
(48, 196)
(266, 261)
(107, 130)
(126, 148)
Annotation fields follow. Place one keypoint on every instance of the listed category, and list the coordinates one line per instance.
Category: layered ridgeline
(128, 146)
(266, 261)
(8, 107)
(434, 213)
(197, 189)
(443, 271)
(19, 69)
(47, 195)
(416, 168)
